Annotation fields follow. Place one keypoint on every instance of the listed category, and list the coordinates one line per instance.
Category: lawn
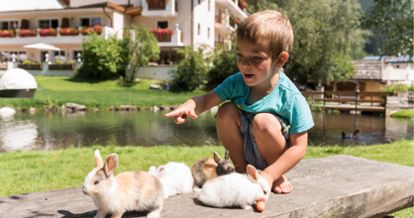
(57, 90)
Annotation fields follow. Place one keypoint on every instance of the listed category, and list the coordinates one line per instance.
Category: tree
(391, 22)
(140, 47)
(224, 64)
(327, 35)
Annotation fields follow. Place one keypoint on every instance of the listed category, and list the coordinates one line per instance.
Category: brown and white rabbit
(128, 191)
(209, 168)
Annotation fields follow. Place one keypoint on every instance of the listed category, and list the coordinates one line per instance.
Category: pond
(45, 131)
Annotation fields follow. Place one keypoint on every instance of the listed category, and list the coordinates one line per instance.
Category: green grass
(57, 90)
(404, 113)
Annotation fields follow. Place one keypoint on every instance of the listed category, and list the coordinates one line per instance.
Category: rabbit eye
(265, 192)
(96, 182)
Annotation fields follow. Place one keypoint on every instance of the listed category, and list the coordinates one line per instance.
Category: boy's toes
(282, 186)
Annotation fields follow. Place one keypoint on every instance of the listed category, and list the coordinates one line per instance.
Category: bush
(101, 58)
(224, 64)
(191, 71)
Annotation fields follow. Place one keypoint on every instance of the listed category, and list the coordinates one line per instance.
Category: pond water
(44, 131)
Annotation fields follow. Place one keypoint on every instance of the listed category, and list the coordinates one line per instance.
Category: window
(90, 21)
(8, 25)
(60, 56)
(96, 21)
(208, 33)
(198, 29)
(208, 5)
(162, 24)
(51, 23)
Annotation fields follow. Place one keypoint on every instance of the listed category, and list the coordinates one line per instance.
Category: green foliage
(325, 31)
(191, 71)
(395, 88)
(101, 58)
(224, 64)
(404, 113)
(392, 25)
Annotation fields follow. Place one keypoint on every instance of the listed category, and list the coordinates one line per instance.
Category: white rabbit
(127, 191)
(235, 190)
(175, 177)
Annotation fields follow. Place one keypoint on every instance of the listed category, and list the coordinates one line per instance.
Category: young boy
(266, 120)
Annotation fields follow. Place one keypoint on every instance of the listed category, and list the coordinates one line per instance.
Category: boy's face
(254, 62)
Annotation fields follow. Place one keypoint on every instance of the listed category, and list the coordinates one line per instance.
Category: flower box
(68, 31)
(27, 32)
(162, 35)
(48, 32)
(88, 30)
(7, 33)
(156, 4)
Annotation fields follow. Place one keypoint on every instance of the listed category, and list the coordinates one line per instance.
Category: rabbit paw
(246, 207)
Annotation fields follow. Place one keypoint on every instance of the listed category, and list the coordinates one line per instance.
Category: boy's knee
(265, 123)
(227, 111)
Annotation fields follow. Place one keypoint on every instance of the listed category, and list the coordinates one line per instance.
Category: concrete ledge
(338, 186)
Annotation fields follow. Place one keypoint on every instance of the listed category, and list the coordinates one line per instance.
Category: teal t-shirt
(285, 100)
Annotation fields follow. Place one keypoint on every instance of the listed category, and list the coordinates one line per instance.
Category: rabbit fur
(139, 190)
(235, 190)
(175, 177)
(209, 168)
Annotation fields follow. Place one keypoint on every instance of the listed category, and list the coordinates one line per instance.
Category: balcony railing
(168, 37)
(70, 31)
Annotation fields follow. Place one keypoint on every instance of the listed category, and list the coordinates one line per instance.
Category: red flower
(7, 33)
(88, 30)
(68, 31)
(27, 32)
(48, 32)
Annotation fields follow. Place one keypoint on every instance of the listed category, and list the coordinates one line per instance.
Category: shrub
(224, 64)
(191, 71)
(101, 58)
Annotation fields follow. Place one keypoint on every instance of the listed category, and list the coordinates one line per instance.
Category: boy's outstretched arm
(194, 106)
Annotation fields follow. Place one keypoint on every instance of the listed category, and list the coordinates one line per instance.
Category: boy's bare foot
(282, 186)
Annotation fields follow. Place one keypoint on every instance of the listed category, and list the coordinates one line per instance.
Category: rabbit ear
(110, 164)
(227, 155)
(216, 157)
(252, 173)
(98, 159)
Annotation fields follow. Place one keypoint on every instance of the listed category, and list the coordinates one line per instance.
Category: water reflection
(53, 131)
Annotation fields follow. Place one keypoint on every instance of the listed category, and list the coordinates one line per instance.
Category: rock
(73, 107)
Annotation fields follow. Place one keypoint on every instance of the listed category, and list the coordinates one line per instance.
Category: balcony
(154, 8)
(52, 35)
(168, 37)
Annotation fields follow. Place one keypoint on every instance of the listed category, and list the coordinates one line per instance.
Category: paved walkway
(338, 186)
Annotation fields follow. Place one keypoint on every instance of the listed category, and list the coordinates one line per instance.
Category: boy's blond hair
(268, 25)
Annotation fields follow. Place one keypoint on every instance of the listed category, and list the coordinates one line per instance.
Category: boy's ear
(282, 59)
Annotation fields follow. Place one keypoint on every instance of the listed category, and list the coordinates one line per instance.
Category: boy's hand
(181, 114)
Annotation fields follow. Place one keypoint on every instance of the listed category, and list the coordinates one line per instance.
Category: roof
(29, 5)
(390, 59)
